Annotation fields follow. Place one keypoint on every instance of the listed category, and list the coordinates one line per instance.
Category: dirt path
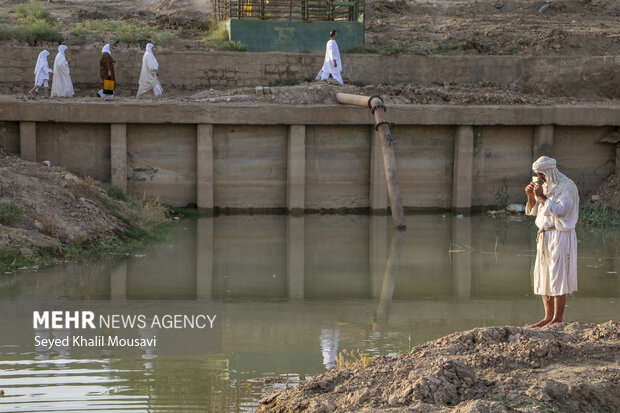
(325, 93)
(567, 367)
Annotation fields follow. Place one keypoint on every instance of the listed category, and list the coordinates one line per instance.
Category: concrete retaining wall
(313, 158)
(197, 70)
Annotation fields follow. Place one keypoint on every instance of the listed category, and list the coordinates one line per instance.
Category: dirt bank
(48, 214)
(568, 27)
(607, 194)
(567, 367)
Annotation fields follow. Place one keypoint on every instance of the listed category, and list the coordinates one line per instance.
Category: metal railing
(299, 10)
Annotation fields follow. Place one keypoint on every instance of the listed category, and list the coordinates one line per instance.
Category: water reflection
(296, 291)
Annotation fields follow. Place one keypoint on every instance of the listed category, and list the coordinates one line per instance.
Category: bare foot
(554, 321)
(541, 323)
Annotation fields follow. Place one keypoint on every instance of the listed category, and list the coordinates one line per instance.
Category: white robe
(61, 84)
(555, 270)
(148, 78)
(42, 70)
(331, 53)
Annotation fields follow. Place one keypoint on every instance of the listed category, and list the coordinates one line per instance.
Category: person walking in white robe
(41, 74)
(61, 84)
(554, 200)
(149, 75)
(332, 66)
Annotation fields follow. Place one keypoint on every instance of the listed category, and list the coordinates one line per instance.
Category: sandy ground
(566, 367)
(568, 27)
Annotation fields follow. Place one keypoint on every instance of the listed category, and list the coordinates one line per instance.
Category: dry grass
(87, 188)
(352, 359)
(47, 225)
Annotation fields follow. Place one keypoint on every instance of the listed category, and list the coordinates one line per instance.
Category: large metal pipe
(375, 104)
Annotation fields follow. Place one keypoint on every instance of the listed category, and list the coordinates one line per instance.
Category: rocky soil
(608, 194)
(57, 207)
(568, 27)
(565, 367)
(439, 94)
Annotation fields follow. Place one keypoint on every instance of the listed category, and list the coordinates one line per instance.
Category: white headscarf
(106, 49)
(149, 48)
(557, 183)
(62, 48)
(41, 61)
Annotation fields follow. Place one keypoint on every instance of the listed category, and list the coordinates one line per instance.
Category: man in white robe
(61, 84)
(332, 66)
(41, 74)
(149, 75)
(554, 200)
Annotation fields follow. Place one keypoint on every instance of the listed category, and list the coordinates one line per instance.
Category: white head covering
(41, 61)
(557, 183)
(106, 49)
(62, 48)
(149, 48)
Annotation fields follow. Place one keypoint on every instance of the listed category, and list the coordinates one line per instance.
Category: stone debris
(515, 208)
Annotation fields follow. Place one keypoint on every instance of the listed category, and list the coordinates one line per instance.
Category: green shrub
(598, 215)
(11, 258)
(230, 46)
(218, 39)
(446, 48)
(37, 31)
(6, 32)
(163, 38)
(79, 30)
(123, 32)
(10, 214)
(32, 11)
(209, 24)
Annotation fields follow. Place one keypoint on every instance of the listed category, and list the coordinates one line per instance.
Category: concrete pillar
(378, 184)
(295, 256)
(461, 261)
(118, 155)
(543, 141)
(204, 173)
(463, 169)
(296, 170)
(118, 282)
(28, 141)
(617, 160)
(378, 232)
(204, 258)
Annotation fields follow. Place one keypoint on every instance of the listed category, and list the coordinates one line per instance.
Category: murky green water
(295, 292)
